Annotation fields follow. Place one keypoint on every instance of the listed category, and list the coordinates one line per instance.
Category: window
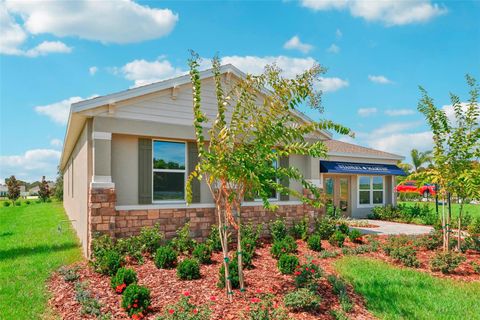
(370, 190)
(169, 172)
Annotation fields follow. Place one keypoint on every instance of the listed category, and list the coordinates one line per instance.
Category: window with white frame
(169, 173)
(370, 190)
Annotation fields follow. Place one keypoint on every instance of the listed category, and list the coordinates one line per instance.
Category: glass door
(343, 195)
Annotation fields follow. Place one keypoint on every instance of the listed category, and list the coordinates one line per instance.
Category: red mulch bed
(166, 288)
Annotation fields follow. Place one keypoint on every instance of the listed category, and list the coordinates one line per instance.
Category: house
(126, 157)
(34, 190)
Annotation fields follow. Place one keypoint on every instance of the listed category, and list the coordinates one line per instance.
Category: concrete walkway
(387, 227)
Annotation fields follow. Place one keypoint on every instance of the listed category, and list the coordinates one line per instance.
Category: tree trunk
(449, 220)
(239, 250)
(223, 234)
(444, 225)
(459, 238)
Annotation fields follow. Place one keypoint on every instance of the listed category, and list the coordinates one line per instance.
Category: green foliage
(307, 276)
(69, 274)
(89, 304)
(122, 279)
(58, 192)
(203, 253)
(213, 239)
(150, 238)
(355, 236)
(446, 262)
(422, 213)
(394, 242)
(136, 299)
(473, 242)
(315, 242)
(325, 227)
(278, 230)
(165, 257)
(337, 239)
(285, 246)
(325, 254)
(364, 248)
(108, 262)
(407, 255)
(431, 241)
(474, 227)
(343, 228)
(263, 308)
(340, 289)
(185, 310)
(475, 267)
(13, 186)
(302, 300)
(248, 252)
(287, 263)
(338, 315)
(183, 243)
(6, 204)
(233, 273)
(188, 269)
(44, 191)
(299, 230)
(130, 247)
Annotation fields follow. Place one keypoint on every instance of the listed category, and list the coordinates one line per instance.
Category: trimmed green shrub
(302, 300)
(203, 253)
(395, 242)
(278, 230)
(123, 279)
(233, 269)
(475, 266)
(307, 276)
(6, 203)
(150, 239)
(185, 310)
(248, 252)
(431, 241)
(287, 245)
(213, 240)
(325, 227)
(355, 236)
(188, 269)
(18, 203)
(165, 257)
(27, 202)
(406, 255)
(109, 262)
(183, 243)
(474, 227)
(299, 230)
(343, 228)
(287, 263)
(136, 299)
(130, 247)
(252, 233)
(315, 242)
(337, 239)
(446, 262)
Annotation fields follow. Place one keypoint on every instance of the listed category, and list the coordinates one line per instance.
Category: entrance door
(337, 194)
(344, 193)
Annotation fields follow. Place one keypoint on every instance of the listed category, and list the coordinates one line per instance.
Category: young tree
(419, 158)
(44, 191)
(237, 157)
(59, 185)
(455, 152)
(13, 189)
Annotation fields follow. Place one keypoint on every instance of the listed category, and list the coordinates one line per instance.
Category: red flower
(258, 291)
(306, 268)
(135, 305)
(213, 298)
(195, 311)
(255, 300)
(186, 294)
(171, 311)
(135, 317)
(136, 300)
(297, 273)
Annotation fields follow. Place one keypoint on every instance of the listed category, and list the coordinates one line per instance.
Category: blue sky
(376, 52)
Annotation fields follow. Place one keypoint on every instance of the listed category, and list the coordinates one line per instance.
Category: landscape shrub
(474, 227)
(69, 274)
(337, 239)
(338, 315)
(233, 273)
(165, 257)
(325, 227)
(213, 240)
(252, 233)
(263, 308)
(373, 242)
(6, 204)
(183, 243)
(395, 242)
(406, 255)
(446, 262)
(287, 263)
(302, 300)
(315, 242)
(430, 241)
(18, 203)
(475, 266)
(123, 279)
(364, 248)
(248, 252)
(203, 253)
(325, 254)
(136, 300)
(183, 309)
(48, 200)
(109, 262)
(188, 269)
(355, 236)
(473, 242)
(84, 297)
(343, 228)
(130, 247)
(150, 238)
(299, 230)
(27, 202)
(307, 276)
(340, 289)
(405, 213)
(284, 246)
(278, 230)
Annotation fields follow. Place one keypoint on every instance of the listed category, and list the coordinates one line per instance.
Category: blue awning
(360, 168)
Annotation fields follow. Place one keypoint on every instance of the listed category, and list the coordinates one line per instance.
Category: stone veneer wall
(105, 219)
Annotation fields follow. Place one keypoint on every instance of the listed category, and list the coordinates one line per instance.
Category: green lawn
(394, 293)
(35, 240)
(471, 209)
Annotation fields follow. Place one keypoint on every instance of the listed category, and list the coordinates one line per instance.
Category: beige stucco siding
(125, 168)
(76, 177)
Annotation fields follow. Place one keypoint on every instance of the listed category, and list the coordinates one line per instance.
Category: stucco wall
(362, 212)
(76, 177)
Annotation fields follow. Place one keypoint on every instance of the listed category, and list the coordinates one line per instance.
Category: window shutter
(192, 163)
(145, 171)
(284, 163)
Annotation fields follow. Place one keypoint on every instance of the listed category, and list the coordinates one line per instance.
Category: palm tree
(419, 158)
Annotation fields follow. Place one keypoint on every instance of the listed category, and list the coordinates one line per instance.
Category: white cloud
(450, 112)
(47, 47)
(399, 112)
(143, 72)
(296, 44)
(332, 84)
(395, 127)
(92, 70)
(402, 143)
(56, 142)
(379, 79)
(365, 112)
(121, 21)
(333, 48)
(31, 165)
(389, 12)
(58, 111)
(338, 33)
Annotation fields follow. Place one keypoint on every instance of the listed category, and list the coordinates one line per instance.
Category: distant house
(4, 191)
(34, 191)
(116, 180)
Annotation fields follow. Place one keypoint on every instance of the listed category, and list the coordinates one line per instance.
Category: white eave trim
(363, 155)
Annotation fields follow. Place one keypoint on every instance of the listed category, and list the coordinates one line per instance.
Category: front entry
(337, 192)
